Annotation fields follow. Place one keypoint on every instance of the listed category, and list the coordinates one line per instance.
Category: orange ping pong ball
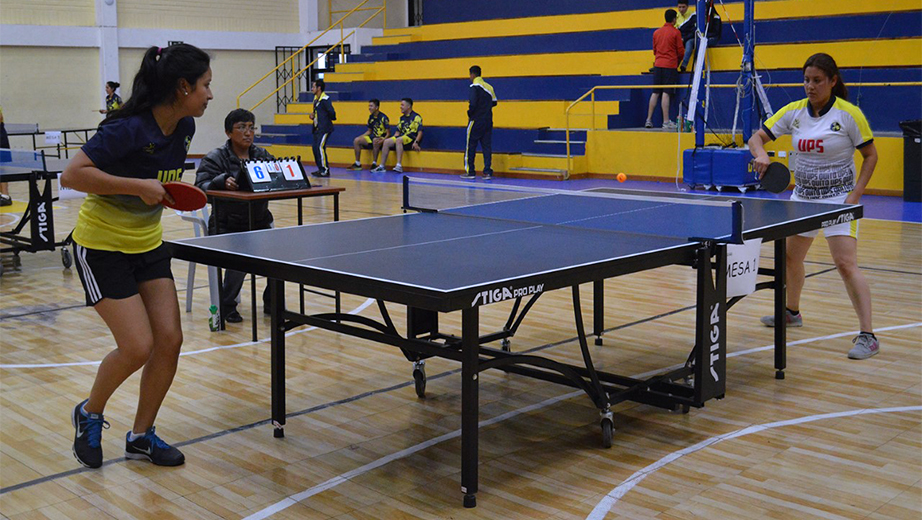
(622, 177)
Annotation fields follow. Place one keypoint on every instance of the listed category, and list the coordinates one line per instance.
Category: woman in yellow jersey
(121, 259)
(825, 132)
(113, 100)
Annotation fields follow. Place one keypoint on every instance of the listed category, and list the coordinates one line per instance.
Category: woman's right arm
(757, 149)
(82, 175)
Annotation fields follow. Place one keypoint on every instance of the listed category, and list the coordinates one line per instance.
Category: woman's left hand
(853, 198)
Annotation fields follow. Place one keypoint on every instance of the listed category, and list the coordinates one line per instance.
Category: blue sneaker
(152, 448)
(88, 436)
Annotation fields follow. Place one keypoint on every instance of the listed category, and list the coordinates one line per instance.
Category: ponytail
(158, 78)
(827, 64)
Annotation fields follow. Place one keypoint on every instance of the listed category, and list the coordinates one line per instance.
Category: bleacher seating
(540, 56)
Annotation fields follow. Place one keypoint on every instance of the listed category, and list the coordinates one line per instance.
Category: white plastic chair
(199, 220)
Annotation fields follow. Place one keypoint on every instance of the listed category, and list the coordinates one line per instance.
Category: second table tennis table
(473, 255)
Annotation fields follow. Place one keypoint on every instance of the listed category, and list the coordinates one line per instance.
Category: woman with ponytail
(121, 259)
(113, 100)
(825, 131)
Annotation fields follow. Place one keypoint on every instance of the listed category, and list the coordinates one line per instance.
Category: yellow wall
(865, 53)
(764, 10)
(273, 16)
(48, 12)
(57, 87)
(396, 13)
(611, 152)
(232, 72)
(507, 114)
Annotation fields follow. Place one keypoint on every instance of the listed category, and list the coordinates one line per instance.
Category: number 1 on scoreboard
(291, 170)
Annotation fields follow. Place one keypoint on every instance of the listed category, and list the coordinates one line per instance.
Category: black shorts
(115, 275)
(665, 76)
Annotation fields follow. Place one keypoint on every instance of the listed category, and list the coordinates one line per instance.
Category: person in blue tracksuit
(323, 117)
(479, 125)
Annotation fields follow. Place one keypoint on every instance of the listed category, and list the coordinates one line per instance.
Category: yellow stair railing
(340, 44)
(332, 12)
(591, 94)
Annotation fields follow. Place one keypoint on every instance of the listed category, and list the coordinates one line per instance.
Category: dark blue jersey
(133, 147)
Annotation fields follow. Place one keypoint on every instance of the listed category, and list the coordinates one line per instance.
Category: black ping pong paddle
(776, 178)
(186, 197)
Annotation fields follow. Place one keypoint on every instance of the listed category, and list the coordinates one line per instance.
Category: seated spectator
(688, 29)
(378, 130)
(220, 170)
(409, 132)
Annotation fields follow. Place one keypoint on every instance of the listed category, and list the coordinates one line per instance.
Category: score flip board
(285, 173)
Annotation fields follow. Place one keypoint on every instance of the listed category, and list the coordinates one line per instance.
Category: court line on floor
(327, 405)
(357, 310)
(335, 481)
(606, 504)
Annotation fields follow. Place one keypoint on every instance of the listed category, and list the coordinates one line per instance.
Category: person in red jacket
(668, 50)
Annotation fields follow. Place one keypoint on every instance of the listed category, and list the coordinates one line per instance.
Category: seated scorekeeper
(220, 170)
(378, 130)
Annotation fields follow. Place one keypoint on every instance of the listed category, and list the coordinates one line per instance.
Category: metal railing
(340, 44)
(591, 94)
(332, 12)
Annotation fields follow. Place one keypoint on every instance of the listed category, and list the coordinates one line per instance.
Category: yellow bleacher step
(508, 165)
(507, 114)
(392, 39)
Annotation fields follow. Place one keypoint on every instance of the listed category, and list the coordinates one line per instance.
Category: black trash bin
(912, 160)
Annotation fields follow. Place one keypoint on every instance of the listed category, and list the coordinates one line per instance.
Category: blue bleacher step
(560, 147)
(560, 134)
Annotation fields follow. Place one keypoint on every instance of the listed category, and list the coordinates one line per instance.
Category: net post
(406, 194)
(736, 236)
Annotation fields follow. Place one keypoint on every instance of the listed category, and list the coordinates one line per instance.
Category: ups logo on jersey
(796, 123)
(835, 127)
(149, 148)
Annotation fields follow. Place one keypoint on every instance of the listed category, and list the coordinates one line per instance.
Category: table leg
(300, 222)
(277, 296)
(781, 342)
(336, 219)
(252, 276)
(470, 346)
(598, 310)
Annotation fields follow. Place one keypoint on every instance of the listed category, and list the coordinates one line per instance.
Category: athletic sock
(869, 334)
(793, 312)
(132, 436)
(83, 410)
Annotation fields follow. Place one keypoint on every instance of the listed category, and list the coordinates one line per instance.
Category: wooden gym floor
(836, 439)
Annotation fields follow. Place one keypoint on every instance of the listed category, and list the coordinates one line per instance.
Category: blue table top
(499, 243)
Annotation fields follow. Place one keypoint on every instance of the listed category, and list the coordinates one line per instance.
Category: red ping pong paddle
(776, 178)
(186, 197)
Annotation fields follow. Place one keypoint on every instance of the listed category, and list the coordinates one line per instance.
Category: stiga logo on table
(842, 219)
(505, 293)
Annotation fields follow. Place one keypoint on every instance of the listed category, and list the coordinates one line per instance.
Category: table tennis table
(82, 135)
(39, 172)
(468, 256)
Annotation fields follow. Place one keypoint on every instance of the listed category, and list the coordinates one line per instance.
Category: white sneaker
(378, 169)
(866, 346)
(398, 168)
(669, 125)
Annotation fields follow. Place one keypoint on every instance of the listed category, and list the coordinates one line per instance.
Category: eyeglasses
(246, 128)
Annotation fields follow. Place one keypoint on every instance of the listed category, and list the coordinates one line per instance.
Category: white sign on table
(52, 137)
(743, 267)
